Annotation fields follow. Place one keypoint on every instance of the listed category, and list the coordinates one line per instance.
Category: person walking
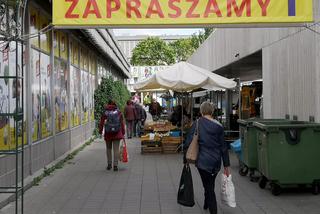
(140, 118)
(137, 121)
(112, 123)
(129, 114)
(212, 149)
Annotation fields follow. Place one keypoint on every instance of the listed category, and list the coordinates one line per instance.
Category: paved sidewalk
(147, 185)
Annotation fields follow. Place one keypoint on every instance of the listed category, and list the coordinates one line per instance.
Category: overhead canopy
(185, 77)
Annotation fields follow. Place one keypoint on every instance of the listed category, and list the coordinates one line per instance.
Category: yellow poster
(56, 43)
(179, 12)
(34, 26)
(45, 38)
(63, 45)
(74, 52)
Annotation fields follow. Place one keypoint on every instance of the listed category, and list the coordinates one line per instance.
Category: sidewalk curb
(29, 181)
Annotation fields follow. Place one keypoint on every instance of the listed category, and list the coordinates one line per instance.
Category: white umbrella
(185, 77)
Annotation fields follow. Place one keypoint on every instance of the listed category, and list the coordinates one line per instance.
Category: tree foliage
(198, 39)
(109, 90)
(183, 49)
(155, 52)
(152, 51)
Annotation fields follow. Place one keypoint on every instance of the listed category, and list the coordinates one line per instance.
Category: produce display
(160, 137)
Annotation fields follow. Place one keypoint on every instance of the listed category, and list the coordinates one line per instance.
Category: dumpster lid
(250, 121)
(269, 126)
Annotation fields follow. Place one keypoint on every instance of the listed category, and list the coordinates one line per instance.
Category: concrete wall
(289, 63)
(290, 74)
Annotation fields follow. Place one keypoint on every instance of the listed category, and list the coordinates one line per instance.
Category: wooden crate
(147, 138)
(170, 148)
(151, 143)
(172, 140)
(151, 149)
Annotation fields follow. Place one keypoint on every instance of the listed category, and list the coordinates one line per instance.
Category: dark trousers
(208, 181)
(130, 125)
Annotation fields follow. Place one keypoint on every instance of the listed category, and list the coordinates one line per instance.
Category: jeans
(208, 181)
(137, 129)
(130, 124)
(116, 153)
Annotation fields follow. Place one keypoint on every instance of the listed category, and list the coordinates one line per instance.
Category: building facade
(285, 58)
(141, 73)
(61, 68)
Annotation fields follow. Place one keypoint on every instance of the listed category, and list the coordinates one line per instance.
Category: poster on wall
(63, 45)
(75, 53)
(45, 40)
(85, 96)
(4, 99)
(75, 96)
(143, 72)
(15, 96)
(45, 71)
(34, 26)
(61, 95)
(22, 99)
(92, 88)
(10, 97)
(35, 68)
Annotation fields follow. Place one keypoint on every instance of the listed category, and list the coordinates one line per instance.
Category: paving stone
(146, 185)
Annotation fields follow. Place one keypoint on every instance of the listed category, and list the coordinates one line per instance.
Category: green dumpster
(249, 148)
(289, 154)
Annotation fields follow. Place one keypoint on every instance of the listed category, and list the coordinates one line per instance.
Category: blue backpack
(113, 123)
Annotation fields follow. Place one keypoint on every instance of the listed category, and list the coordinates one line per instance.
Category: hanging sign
(77, 13)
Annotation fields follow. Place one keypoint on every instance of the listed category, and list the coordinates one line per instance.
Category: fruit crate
(151, 149)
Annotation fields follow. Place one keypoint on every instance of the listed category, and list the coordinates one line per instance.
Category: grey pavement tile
(147, 184)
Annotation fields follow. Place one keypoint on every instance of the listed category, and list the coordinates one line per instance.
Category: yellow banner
(179, 12)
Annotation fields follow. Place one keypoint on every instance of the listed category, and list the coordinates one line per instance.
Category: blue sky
(154, 32)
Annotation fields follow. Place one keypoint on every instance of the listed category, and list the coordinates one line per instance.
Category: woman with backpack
(114, 130)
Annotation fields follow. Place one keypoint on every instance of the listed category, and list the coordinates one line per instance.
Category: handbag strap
(197, 128)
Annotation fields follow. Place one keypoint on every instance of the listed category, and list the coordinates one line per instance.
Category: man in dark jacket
(141, 116)
(112, 138)
(155, 109)
(130, 115)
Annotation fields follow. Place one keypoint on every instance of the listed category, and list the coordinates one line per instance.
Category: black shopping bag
(185, 192)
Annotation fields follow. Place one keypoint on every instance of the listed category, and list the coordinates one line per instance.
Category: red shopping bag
(124, 158)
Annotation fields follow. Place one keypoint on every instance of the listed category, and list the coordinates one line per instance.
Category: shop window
(56, 43)
(63, 42)
(45, 38)
(94, 66)
(85, 96)
(75, 96)
(10, 96)
(82, 58)
(74, 52)
(61, 95)
(45, 76)
(35, 91)
(91, 97)
(34, 27)
(90, 59)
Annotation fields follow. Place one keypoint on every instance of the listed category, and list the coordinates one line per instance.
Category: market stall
(160, 137)
(184, 78)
